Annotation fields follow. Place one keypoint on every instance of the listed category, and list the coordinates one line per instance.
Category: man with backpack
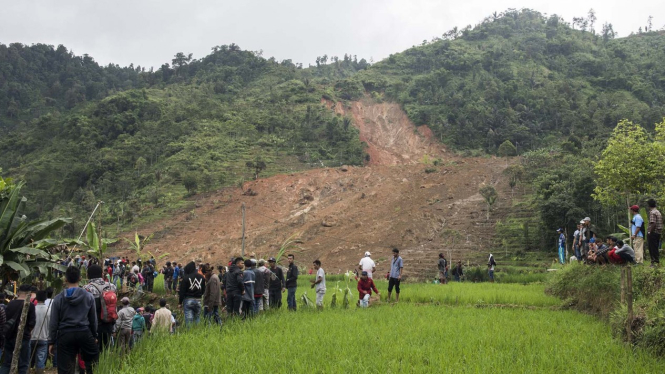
(10, 331)
(106, 300)
(74, 324)
(443, 268)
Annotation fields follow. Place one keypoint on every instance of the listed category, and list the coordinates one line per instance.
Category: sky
(149, 32)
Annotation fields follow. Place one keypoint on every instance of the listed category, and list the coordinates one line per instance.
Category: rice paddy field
(454, 328)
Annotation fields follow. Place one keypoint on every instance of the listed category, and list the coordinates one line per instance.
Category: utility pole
(243, 230)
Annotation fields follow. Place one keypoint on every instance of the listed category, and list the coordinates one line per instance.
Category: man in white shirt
(319, 283)
(367, 264)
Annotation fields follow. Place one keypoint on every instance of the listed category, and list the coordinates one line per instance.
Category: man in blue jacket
(73, 325)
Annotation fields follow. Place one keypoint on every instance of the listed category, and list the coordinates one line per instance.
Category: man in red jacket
(365, 287)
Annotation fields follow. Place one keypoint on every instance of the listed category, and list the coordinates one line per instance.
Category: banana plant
(138, 245)
(24, 244)
(97, 246)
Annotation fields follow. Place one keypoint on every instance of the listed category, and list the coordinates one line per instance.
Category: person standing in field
(212, 297)
(443, 269)
(576, 243)
(637, 233)
(148, 275)
(395, 276)
(319, 284)
(73, 325)
(267, 275)
(176, 276)
(105, 295)
(168, 277)
(248, 280)
(490, 267)
(13, 313)
(562, 246)
(259, 282)
(163, 319)
(654, 231)
(458, 272)
(277, 285)
(138, 326)
(365, 287)
(39, 339)
(123, 326)
(367, 264)
(191, 289)
(291, 283)
(234, 287)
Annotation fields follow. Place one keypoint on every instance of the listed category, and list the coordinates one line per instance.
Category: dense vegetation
(78, 132)
(596, 290)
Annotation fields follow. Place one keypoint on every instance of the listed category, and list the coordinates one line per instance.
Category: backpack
(133, 279)
(109, 301)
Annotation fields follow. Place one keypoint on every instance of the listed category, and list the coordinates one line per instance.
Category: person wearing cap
(13, 312)
(97, 286)
(123, 326)
(562, 246)
(654, 231)
(277, 285)
(367, 264)
(365, 287)
(637, 233)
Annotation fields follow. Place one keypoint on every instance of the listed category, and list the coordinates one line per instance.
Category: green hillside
(139, 140)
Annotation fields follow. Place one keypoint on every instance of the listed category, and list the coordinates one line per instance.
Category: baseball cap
(582, 222)
(559, 230)
(125, 300)
(272, 259)
(587, 219)
(363, 273)
(367, 254)
(635, 208)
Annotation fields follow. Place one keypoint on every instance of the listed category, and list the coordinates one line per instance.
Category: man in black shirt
(277, 286)
(291, 283)
(234, 287)
(192, 288)
(13, 312)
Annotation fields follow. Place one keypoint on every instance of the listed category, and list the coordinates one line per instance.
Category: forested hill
(526, 78)
(78, 132)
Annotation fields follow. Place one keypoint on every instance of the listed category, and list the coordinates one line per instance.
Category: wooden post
(623, 285)
(19, 336)
(243, 230)
(629, 296)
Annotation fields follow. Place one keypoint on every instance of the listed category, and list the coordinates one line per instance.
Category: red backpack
(109, 301)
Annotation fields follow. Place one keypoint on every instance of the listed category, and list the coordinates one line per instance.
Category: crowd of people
(590, 249)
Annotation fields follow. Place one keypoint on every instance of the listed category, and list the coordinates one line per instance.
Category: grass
(393, 339)
(449, 294)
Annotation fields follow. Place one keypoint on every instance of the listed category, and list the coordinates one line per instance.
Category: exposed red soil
(339, 213)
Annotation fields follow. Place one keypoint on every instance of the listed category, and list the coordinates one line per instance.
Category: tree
(257, 165)
(488, 192)
(630, 164)
(515, 174)
(507, 149)
(140, 165)
(191, 183)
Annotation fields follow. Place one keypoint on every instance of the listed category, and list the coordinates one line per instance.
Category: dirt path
(340, 213)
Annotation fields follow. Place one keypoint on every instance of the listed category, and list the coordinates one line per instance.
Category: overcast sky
(150, 32)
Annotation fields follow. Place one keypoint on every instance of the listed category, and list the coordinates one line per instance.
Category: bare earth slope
(340, 213)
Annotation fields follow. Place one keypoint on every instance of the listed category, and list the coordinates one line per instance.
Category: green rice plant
(405, 338)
